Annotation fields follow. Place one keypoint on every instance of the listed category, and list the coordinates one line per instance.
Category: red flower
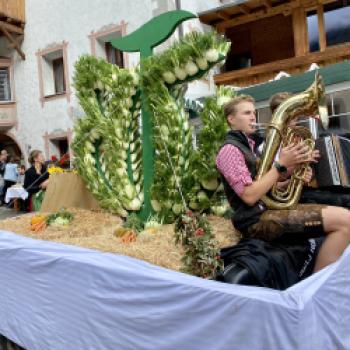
(54, 158)
(199, 232)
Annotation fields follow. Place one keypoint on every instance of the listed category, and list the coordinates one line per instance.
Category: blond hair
(277, 99)
(33, 154)
(230, 107)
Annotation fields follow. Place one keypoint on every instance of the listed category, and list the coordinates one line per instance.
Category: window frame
(110, 30)
(41, 54)
(7, 63)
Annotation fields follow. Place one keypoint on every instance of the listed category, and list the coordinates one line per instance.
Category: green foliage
(134, 222)
(201, 257)
(63, 214)
(207, 190)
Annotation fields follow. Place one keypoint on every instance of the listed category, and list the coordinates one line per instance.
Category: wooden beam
(301, 39)
(13, 41)
(335, 52)
(321, 28)
(244, 8)
(223, 15)
(18, 40)
(253, 16)
(267, 3)
(11, 28)
(260, 13)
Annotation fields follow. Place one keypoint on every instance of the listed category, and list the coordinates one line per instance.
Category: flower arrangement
(55, 169)
(201, 254)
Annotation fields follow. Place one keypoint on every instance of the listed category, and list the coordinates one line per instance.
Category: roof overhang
(242, 11)
(332, 74)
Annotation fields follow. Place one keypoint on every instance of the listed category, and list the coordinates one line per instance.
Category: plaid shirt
(231, 164)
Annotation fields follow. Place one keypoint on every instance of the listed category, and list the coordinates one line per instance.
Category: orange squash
(129, 237)
(36, 219)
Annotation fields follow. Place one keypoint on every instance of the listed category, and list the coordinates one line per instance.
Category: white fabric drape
(55, 296)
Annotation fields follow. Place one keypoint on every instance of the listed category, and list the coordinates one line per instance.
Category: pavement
(6, 213)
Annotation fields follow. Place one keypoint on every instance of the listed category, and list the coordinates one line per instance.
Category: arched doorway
(11, 146)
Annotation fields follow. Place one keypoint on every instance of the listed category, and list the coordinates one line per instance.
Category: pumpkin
(128, 237)
(36, 219)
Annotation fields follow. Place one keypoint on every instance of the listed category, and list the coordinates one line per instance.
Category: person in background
(36, 178)
(21, 171)
(11, 173)
(3, 160)
(311, 195)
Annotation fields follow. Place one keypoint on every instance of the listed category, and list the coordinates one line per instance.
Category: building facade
(38, 106)
(40, 41)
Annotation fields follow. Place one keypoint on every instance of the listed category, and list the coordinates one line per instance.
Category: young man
(236, 161)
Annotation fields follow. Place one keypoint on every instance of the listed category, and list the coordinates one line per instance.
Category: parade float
(133, 150)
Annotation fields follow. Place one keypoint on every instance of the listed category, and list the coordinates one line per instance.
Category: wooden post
(321, 28)
(301, 40)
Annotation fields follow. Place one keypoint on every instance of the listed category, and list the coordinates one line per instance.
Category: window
(5, 88)
(336, 25)
(339, 110)
(114, 55)
(58, 72)
(53, 73)
(312, 25)
(59, 147)
(101, 44)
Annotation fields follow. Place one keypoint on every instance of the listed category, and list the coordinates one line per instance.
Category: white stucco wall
(57, 21)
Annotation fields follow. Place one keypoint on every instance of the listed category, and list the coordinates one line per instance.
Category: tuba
(311, 102)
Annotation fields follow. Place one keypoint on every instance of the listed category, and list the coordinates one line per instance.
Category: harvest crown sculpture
(134, 146)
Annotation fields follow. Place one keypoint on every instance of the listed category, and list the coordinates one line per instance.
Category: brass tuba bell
(311, 102)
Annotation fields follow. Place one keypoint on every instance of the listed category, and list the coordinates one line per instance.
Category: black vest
(243, 214)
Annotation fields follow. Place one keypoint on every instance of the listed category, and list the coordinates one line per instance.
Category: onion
(210, 184)
(180, 73)
(212, 55)
(177, 208)
(169, 77)
(191, 68)
(156, 205)
(202, 63)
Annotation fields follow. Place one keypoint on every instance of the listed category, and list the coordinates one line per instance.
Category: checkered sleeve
(231, 164)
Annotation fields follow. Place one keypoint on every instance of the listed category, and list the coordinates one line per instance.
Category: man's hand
(282, 185)
(293, 155)
(308, 175)
(314, 156)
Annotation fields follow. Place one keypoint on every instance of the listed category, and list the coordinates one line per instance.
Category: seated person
(11, 173)
(311, 194)
(236, 161)
(36, 178)
(21, 171)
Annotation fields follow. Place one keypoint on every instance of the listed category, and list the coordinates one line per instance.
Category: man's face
(244, 119)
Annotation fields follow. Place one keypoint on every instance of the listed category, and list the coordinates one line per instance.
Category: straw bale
(95, 230)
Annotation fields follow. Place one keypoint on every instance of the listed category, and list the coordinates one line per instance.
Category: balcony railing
(265, 72)
(12, 10)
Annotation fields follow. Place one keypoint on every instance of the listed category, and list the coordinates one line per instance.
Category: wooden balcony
(265, 72)
(12, 19)
(12, 11)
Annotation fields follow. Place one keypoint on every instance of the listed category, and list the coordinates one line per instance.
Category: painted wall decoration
(134, 146)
